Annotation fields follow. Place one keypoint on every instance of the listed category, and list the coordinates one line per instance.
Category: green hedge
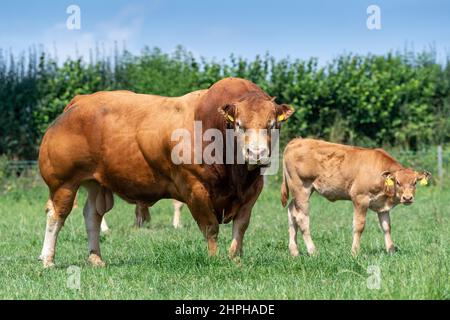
(400, 100)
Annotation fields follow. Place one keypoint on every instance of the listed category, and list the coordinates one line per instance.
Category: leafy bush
(400, 100)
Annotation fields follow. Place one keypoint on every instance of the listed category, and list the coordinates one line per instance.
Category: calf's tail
(284, 188)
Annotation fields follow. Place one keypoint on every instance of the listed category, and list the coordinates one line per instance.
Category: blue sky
(215, 29)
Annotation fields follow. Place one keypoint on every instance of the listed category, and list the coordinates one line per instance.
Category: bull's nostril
(264, 153)
(253, 153)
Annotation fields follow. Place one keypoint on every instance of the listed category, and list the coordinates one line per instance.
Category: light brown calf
(370, 178)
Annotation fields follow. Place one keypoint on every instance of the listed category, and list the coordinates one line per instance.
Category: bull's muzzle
(257, 155)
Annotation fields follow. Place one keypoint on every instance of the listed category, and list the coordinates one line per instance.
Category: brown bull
(370, 178)
(122, 143)
(142, 211)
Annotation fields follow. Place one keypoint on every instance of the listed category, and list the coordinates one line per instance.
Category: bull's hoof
(391, 250)
(177, 225)
(237, 260)
(48, 263)
(95, 260)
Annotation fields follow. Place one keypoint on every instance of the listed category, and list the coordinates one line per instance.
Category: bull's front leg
(242, 219)
(385, 224)
(202, 210)
(361, 205)
(240, 225)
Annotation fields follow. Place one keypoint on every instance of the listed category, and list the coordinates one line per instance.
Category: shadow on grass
(382, 251)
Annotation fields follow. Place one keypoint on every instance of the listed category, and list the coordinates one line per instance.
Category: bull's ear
(228, 111)
(284, 111)
(388, 183)
(423, 178)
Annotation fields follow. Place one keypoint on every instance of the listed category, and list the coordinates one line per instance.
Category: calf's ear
(284, 111)
(423, 178)
(389, 183)
(228, 111)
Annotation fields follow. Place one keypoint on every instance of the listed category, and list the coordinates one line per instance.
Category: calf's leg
(385, 224)
(359, 222)
(298, 217)
(293, 228)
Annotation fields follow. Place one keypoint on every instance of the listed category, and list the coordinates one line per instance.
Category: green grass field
(159, 262)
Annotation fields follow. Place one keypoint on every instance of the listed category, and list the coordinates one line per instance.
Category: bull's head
(401, 184)
(252, 118)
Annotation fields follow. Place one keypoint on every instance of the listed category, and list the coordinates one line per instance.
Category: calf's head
(252, 118)
(401, 184)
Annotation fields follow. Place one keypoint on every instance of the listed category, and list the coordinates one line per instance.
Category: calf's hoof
(312, 251)
(95, 260)
(294, 251)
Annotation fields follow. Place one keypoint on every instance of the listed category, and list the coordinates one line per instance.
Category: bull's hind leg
(104, 226)
(298, 217)
(177, 205)
(142, 215)
(98, 202)
(58, 208)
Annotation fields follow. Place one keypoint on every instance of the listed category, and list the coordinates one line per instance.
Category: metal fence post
(439, 162)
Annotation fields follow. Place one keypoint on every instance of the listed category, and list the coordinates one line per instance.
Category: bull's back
(103, 136)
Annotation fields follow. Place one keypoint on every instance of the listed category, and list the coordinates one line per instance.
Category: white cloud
(124, 28)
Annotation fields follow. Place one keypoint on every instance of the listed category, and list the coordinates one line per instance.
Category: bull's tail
(284, 188)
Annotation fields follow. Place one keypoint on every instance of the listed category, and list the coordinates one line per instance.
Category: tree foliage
(395, 99)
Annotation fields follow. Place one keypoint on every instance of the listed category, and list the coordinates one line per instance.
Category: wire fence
(435, 160)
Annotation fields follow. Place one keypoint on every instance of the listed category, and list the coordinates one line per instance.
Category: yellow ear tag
(230, 118)
(281, 117)
(389, 182)
(423, 182)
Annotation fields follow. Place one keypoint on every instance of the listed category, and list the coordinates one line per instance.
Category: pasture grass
(158, 262)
